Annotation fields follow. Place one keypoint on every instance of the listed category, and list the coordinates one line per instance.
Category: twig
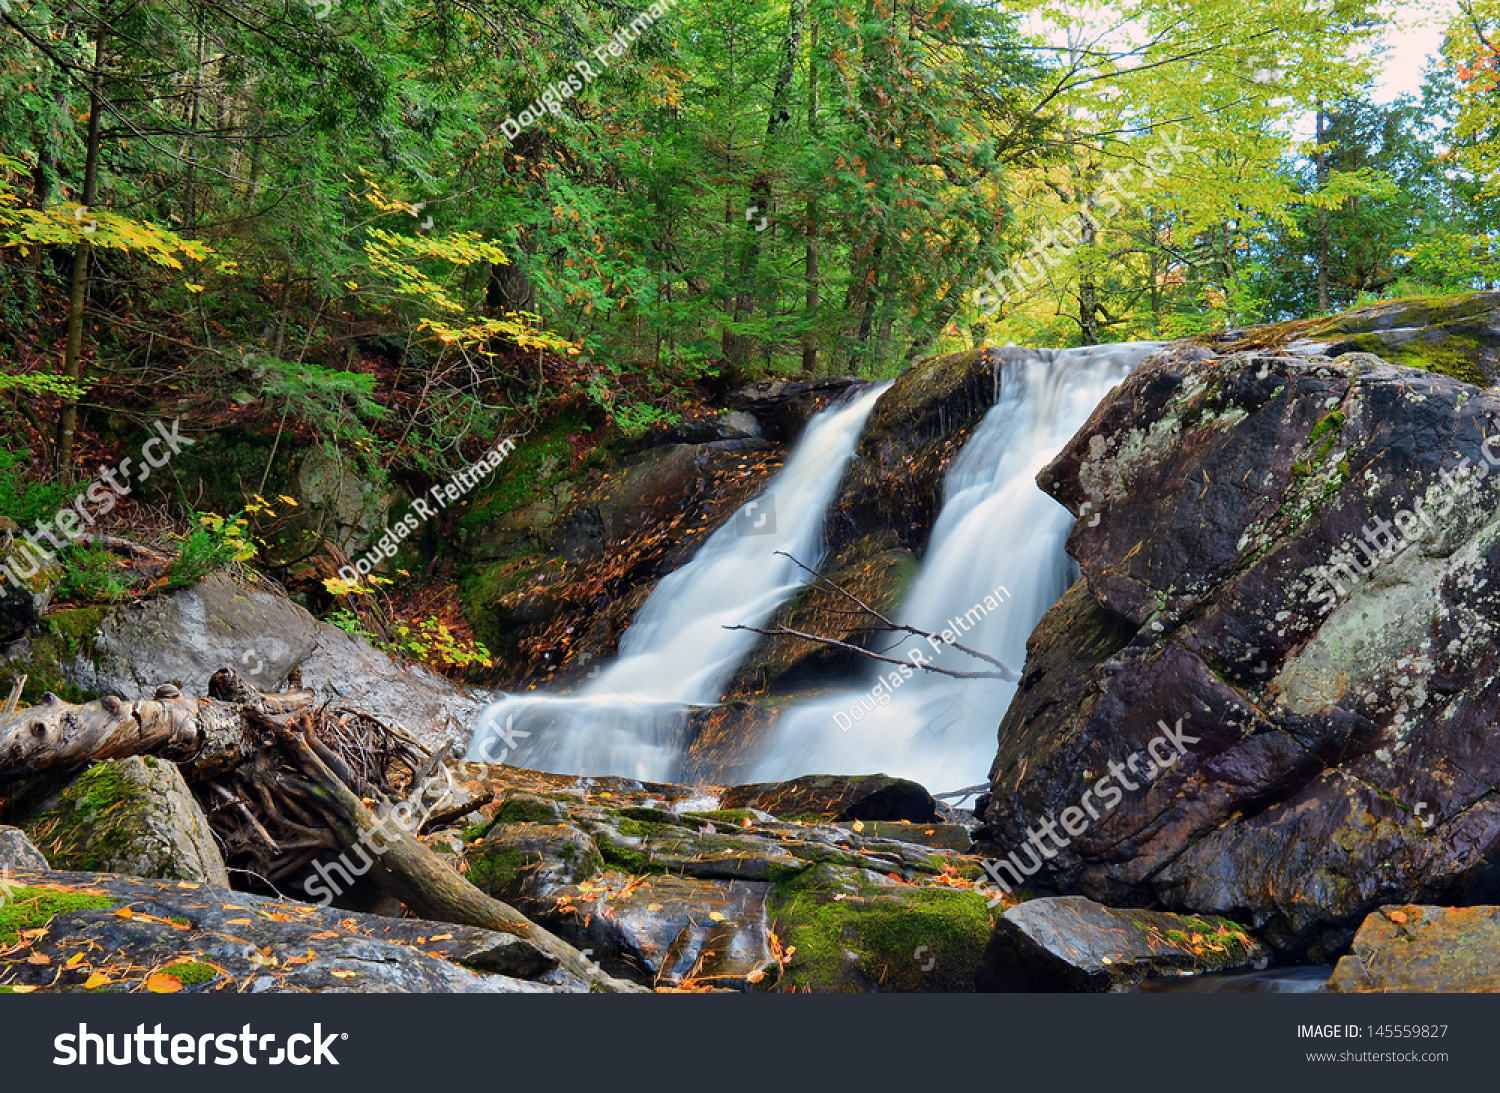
(890, 625)
(786, 631)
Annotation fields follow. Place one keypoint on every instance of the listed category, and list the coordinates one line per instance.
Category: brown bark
(67, 422)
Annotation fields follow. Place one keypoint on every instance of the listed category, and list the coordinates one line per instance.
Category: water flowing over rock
(632, 718)
(994, 563)
(1295, 572)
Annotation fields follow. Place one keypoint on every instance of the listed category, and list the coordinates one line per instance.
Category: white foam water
(994, 564)
(677, 653)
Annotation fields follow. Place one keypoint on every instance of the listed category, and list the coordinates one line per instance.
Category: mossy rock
(33, 908)
(854, 935)
(134, 816)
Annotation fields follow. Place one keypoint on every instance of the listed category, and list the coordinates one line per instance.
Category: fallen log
(279, 794)
(409, 871)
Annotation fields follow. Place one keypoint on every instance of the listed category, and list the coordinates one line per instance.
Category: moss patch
(906, 940)
(86, 831)
(191, 973)
(33, 908)
(524, 810)
(649, 815)
(495, 871)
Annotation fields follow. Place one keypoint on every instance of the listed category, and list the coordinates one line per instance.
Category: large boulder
(185, 637)
(1074, 944)
(134, 816)
(1321, 737)
(1423, 949)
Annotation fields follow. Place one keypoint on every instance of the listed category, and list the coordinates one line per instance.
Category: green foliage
(24, 500)
(94, 576)
(214, 544)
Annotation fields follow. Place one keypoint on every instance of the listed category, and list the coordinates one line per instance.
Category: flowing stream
(994, 564)
(631, 717)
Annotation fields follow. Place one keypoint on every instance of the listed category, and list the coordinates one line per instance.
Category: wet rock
(525, 863)
(783, 407)
(1423, 949)
(838, 797)
(210, 940)
(16, 851)
(1334, 725)
(1073, 944)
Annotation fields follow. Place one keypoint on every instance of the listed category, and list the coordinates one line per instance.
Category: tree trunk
(1322, 218)
(810, 265)
(67, 422)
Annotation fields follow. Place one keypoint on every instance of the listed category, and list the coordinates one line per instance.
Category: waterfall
(994, 564)
(631, 717)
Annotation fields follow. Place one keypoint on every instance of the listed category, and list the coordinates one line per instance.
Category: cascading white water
(994, 564)
(677, 653)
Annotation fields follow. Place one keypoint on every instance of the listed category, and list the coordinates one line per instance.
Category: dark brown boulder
(838, 797)
(1337, 749)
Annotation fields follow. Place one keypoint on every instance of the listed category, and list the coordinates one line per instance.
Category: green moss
(496, 870)
(80, 625)
(50, 649)
(640, 829)
(722, 815)
(86, 831)
(1455, 356)
(649, 815)
(625, 858)
(1332, 423)
(525, 810)
(894, 933)
(33, 908)
(478, 831)
(191, 973)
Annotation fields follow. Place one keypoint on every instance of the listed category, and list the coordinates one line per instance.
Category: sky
(1415, 37)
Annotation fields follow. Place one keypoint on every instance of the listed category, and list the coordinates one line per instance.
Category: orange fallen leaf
(237, 922)
(442, 937)
(162, 983)
(188, 884)
(1398, 917)
(326, 935)
(756, 976)
(19, 988)
(39, 958)
(125, 912)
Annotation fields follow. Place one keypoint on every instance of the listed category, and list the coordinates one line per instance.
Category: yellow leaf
(342, 975)
(74, 960)
(19, 989)
(192, 287)
(716, 916)
(97, 980)
(857, 826)
(237, 922)
(162, 983)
